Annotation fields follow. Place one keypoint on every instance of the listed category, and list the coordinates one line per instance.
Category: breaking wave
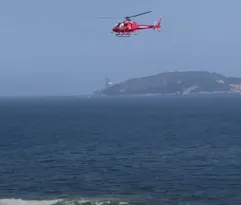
(61, 202)
(82, 201)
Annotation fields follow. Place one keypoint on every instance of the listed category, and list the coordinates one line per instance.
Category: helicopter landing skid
(126, 34)
(123, 35)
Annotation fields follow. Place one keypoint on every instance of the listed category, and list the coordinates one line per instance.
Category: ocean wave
(61, 202)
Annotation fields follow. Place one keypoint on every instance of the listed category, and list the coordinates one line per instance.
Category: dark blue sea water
(136, 150)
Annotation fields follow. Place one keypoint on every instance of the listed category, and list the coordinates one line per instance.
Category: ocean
(155, 150)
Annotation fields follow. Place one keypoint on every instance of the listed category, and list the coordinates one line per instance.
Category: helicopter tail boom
(156, 26)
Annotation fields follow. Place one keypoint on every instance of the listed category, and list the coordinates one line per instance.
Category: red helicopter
(128, 27)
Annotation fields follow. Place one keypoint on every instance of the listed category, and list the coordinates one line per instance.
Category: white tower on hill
(108, 82)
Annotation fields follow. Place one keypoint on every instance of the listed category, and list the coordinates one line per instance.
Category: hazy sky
(60, 47)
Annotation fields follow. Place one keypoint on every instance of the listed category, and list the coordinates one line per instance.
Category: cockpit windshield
(118, 25)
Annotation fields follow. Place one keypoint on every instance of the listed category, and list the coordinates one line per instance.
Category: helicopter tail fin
(157, 25)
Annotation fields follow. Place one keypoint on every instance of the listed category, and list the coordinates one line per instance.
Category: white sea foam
(59, 202)
(28, 202)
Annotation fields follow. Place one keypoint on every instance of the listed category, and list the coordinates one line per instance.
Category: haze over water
(60, 47)
(139, 150)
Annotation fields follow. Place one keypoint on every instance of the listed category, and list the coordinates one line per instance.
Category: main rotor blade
(138, 14)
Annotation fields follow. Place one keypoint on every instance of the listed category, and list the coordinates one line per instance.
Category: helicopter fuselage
(127, 27)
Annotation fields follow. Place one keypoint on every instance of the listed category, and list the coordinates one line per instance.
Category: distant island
(181, 83)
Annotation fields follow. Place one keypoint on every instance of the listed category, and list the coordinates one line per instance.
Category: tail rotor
(157, 25)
